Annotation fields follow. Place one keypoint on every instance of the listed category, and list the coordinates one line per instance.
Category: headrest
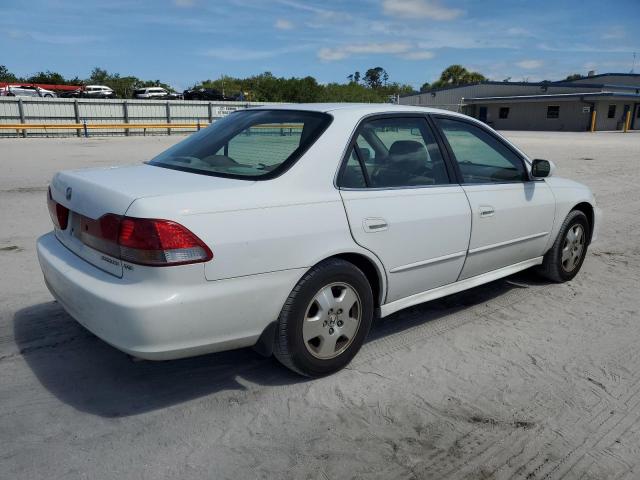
(404, 147)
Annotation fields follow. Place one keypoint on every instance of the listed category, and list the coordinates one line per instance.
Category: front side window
(250, 144)
(481, 157)
(396, 152)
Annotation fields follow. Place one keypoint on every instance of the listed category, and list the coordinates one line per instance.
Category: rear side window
(395, 152)
(480, 156)
(353, 175)
(250, 144)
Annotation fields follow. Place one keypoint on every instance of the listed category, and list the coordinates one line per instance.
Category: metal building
(563, 105)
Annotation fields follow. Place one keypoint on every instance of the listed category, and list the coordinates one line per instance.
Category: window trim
(451, 173)
(483, 127)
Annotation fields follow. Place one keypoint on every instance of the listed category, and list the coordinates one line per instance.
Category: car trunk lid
(92, 193)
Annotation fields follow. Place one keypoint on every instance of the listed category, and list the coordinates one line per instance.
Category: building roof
(635, 75)
(363, 108)
(555, 96)
(557, 83)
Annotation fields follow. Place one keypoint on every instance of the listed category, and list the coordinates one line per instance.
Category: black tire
(552, 265)
(290, 348)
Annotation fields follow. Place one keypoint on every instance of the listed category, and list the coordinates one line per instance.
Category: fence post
(168, 117)
(76, 113)
(21, 112)
(125, 112)
(86, 130)
(210, 108)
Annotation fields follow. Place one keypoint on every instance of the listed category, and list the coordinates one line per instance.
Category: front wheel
(563, 261)
(325, 320)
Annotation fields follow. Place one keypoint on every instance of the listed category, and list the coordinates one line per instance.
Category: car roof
(359, 109)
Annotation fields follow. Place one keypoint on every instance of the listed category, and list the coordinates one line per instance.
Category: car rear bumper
(163, 320)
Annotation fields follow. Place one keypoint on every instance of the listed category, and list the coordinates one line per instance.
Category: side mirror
(542, 168)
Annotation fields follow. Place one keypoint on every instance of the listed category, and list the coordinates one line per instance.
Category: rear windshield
(249, 144)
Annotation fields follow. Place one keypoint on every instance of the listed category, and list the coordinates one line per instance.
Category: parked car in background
(155, 92)
(292, 227)
(97, 91)
(71, 93)
(26, 91)
(203, 94)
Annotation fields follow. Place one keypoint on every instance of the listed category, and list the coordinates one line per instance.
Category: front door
(512, 215)
(402, 205)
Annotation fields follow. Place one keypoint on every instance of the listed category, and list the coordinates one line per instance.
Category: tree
(98, 76)
(456, 75)
(47, 77)
(573, 76)
(374, 77)
(6, 75)
(356, 76)
(426, 86)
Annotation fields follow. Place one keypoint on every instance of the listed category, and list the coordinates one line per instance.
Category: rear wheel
(563, 261)
(325, 319)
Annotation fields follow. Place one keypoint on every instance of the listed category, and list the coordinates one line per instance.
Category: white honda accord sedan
(291, 228)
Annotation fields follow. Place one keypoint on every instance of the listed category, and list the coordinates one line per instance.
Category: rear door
(512, 215)
(402, 205)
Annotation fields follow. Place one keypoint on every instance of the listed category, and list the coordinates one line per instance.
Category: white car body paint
(266, 234)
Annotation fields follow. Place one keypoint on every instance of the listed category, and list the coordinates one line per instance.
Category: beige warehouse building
(558, 106)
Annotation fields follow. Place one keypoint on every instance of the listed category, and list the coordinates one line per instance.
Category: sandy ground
(516, 379)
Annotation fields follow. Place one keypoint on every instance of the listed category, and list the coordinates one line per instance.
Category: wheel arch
(587, 209)
(371, 269)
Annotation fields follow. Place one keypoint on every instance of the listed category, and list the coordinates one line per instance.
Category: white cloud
(339, 53)
(530, 64)
(283, 24)
(184, 3)
(614, 33)
(418, 55)
(242, 54)
(518, 32)
(420, 9)
(49, 38)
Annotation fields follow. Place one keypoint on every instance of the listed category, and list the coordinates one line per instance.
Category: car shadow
(91, 376)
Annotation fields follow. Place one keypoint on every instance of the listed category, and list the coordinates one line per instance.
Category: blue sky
(184, 41)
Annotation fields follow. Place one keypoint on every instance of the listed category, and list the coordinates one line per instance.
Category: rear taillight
(159, 242)
(144, 241)
(59, 214)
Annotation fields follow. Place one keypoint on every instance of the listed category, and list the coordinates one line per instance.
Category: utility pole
(633, 65)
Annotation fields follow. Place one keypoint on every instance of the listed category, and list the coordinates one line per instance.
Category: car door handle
(487, 211)
(374, 225)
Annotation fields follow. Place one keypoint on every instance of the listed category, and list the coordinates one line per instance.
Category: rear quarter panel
(268, 233)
